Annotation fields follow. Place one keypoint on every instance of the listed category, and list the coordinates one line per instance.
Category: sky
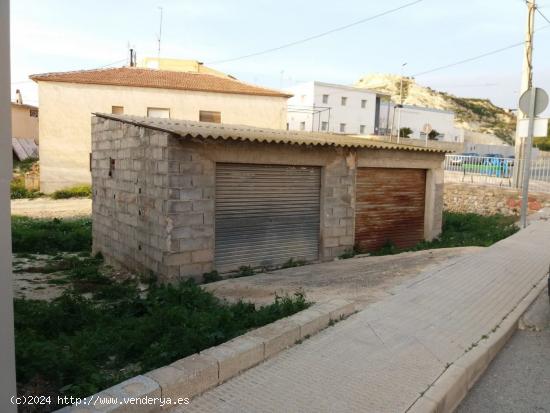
(61, 35)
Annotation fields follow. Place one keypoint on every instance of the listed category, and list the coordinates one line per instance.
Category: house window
(363, 103)
(209, 116)
(117, 110)
(362, 129)
(342, 127)
(33, 113)
(324, 126)
(325, 98)
(344, 100)
(158, 113)
(302, 126)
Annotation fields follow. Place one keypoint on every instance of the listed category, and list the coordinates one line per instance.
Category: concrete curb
(446, 393)
(195, 374)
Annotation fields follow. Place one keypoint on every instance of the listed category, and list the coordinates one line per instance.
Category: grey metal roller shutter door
(266, 214)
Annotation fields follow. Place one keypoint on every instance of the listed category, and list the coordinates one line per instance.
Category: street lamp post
(400, 106)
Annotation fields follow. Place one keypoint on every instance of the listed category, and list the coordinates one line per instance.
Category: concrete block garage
(181, 198)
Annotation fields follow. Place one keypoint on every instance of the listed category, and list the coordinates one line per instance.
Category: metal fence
(482, 170)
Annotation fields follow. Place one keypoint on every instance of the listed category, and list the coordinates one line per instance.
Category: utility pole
(526, 83)
(400, 106)
(7, 346)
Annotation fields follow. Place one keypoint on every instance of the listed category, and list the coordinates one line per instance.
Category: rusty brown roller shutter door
(390, 207)
(266, 215)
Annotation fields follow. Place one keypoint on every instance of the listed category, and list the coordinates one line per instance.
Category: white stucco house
(416, 117)
(326, 107)
(68, 100)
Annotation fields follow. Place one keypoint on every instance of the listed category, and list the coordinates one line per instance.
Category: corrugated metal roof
(186, 128)
(24, 148)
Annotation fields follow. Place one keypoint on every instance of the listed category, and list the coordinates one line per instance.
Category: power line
(111, 64)
(470, 59)
(542, 15)
(316, 36)
(460, 62)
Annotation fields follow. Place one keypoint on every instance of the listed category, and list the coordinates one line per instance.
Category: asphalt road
(518, 379)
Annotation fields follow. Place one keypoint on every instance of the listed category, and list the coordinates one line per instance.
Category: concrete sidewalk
(385, 357)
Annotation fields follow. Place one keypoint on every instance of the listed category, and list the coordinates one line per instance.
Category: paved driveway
(364, 280)
(384, 358)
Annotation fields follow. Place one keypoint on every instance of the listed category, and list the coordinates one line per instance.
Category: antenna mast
(159, 38)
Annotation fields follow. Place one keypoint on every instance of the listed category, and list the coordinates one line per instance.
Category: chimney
(132, 58)
(18, 97)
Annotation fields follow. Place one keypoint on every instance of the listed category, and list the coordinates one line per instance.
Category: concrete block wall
(128, 207)
(189, 212)
(338, 205)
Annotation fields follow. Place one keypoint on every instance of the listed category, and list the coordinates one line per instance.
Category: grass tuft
(79, 191)
(50, 236)
(463, 230)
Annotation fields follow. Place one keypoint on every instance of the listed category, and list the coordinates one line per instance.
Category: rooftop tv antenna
(159, 37)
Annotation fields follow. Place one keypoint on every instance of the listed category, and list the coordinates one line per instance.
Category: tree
(433, 134)
(405, 132)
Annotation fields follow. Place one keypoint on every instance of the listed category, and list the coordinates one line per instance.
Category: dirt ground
(52, 208)
(362, 279)
(29, 283)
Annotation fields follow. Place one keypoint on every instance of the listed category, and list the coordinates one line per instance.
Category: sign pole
(527, 160)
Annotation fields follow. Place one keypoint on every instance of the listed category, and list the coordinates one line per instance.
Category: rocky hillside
(478, 115)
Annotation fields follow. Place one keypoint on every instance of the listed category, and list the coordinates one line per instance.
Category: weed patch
(463, 230)
(244, 271)
(79, 191)
(210, 277)
(291, 263)
(78, 345)
(50, 236)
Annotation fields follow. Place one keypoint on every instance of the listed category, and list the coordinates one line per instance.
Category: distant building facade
(416, 117)
(68, 100)
(24, 119)
(326, 107)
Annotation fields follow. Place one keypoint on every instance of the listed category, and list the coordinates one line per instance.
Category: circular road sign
(541, 100)
(427, 128)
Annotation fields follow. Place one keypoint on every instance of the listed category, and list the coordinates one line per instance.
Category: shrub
(18, 190)
(433, 135)
(293, 263)
(24, 165)
(79, 191)
(49, 236)
(210, 277)
(350, 253)
(405, 132)
(244, 271)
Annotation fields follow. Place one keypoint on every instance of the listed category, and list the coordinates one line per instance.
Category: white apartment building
(326, 107)
(416, 117)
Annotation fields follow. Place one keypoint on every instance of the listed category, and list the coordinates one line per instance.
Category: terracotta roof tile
(161, 79)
